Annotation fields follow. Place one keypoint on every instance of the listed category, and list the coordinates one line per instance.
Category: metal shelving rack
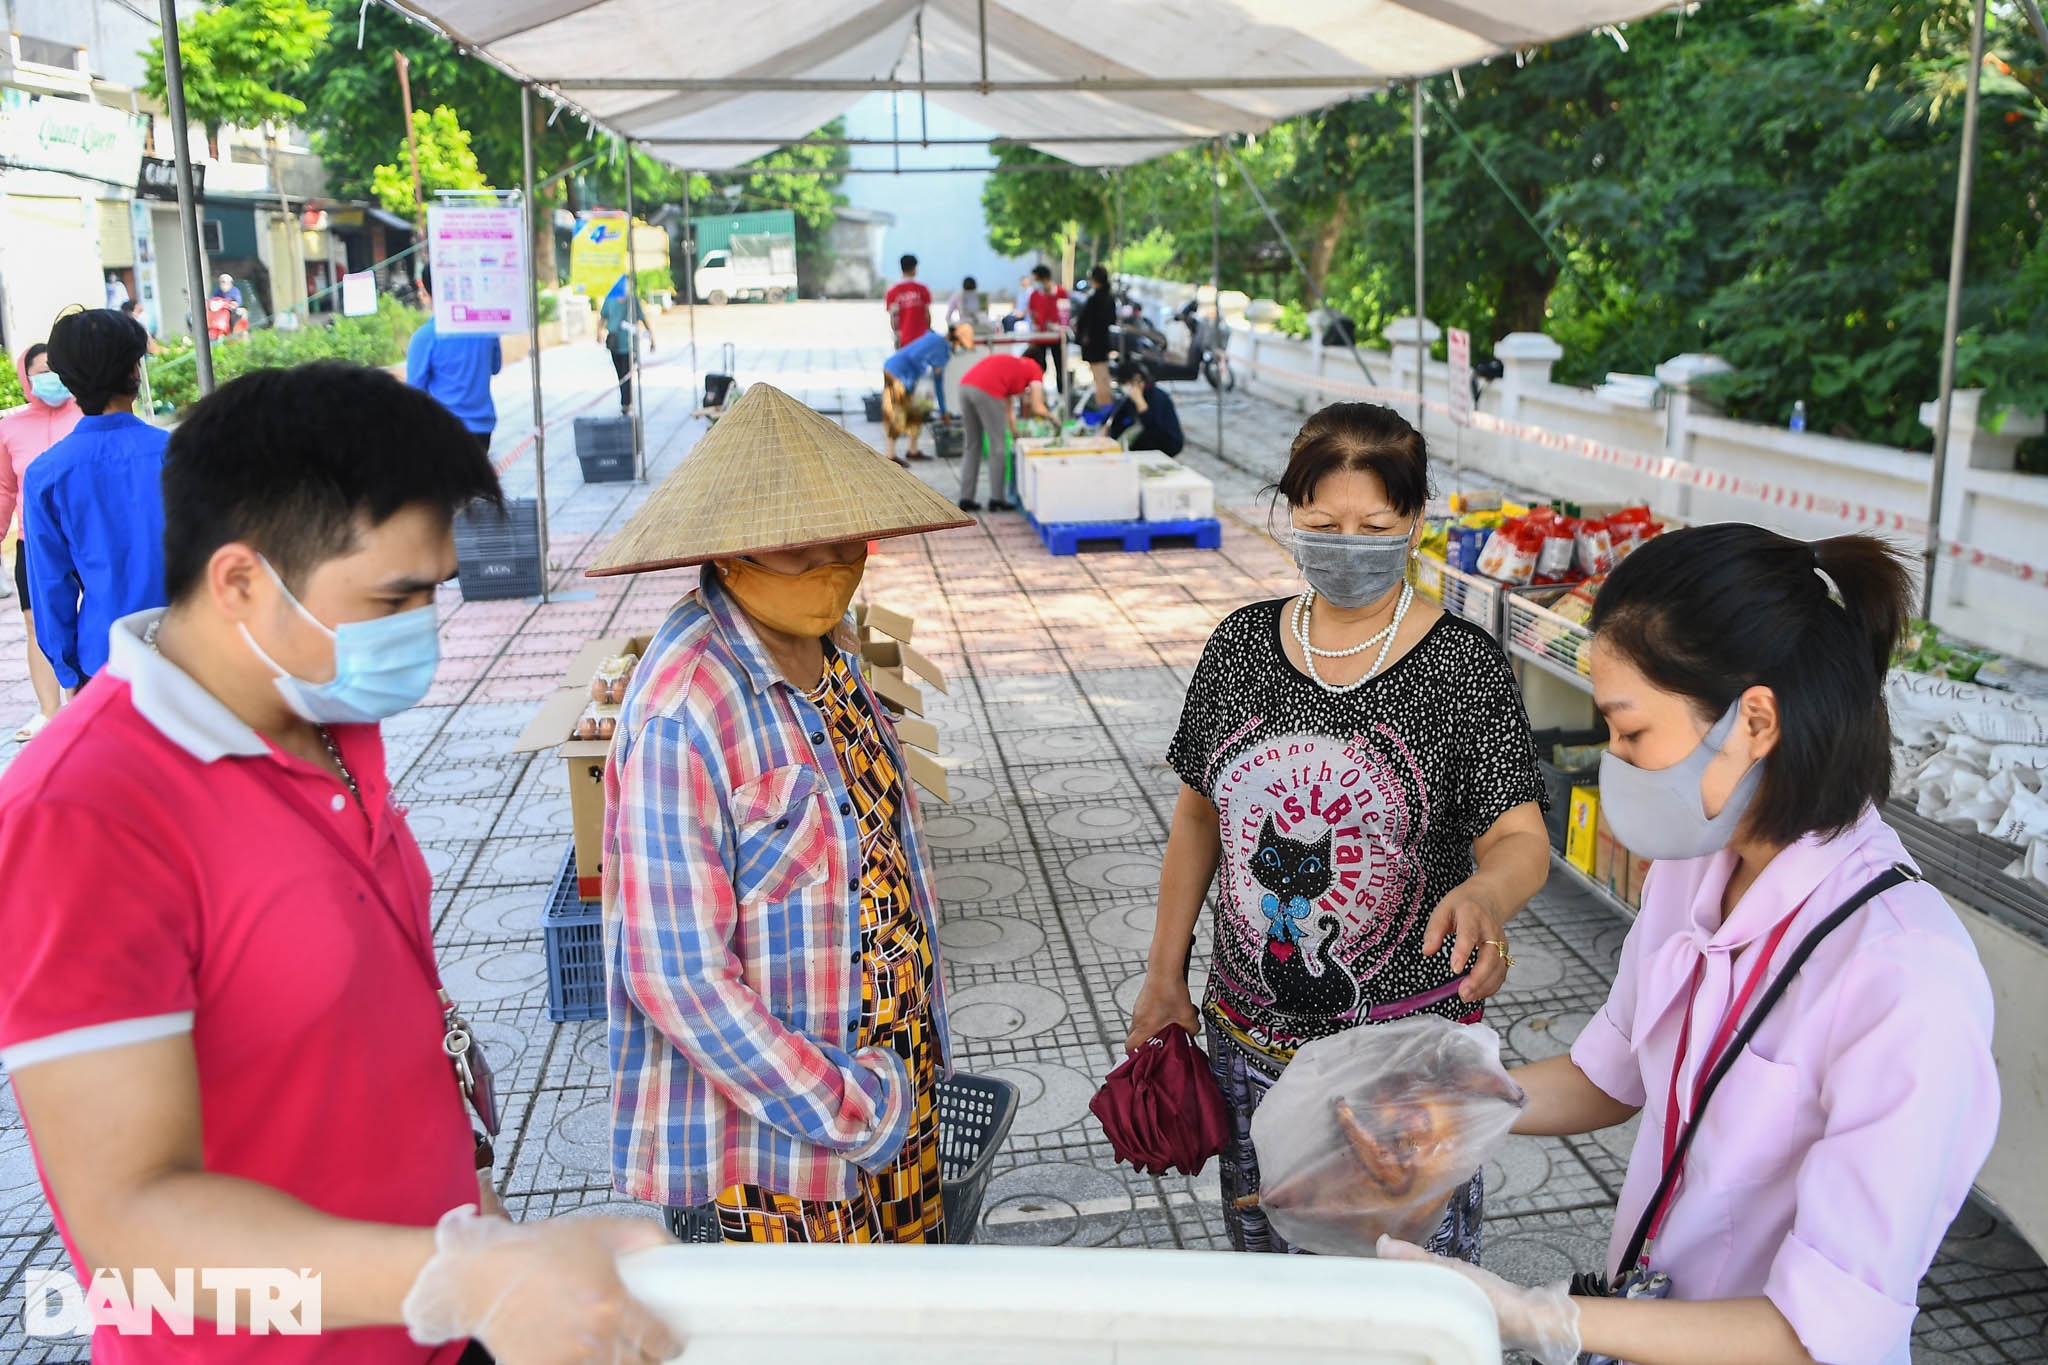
(1468, 595)
(1532, 632)
(1590, 887)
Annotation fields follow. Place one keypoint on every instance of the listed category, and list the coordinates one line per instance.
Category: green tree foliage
(446, 162)
(352, 110)
(377, 339)
(1773, 183)
(240, 57)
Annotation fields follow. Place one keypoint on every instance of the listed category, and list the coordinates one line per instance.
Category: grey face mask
(1661, 814)
(1350, 571)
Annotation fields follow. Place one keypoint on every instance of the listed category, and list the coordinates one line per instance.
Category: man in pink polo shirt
(214, 912)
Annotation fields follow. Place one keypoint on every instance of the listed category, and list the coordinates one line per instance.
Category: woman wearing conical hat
(778, 1023)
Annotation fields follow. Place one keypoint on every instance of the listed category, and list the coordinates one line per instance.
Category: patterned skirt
(901, 1203)
(1245, 1076)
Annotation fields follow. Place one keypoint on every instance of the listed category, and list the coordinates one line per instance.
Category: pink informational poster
(1458, 350)
(478, 253)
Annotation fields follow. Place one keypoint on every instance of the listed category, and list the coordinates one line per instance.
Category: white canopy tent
(1096, 82)
(1146, 77)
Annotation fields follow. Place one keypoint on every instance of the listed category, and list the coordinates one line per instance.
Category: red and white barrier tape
(1670, 470)
(525, 443)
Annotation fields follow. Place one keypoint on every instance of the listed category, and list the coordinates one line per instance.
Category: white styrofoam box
(1170, 491)
(1014, 1305)
(1032, 449)
(1085, 488)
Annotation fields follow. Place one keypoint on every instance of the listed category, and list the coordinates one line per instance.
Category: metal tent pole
(1952, 321)
(540, 430)
(188, 207)
(635, 319)
(1216, 276)
(1421, 345)
(690, 287)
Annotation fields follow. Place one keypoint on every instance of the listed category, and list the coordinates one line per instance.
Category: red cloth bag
(1161, 1106)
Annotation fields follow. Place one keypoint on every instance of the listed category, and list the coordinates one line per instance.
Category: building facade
(88, 212)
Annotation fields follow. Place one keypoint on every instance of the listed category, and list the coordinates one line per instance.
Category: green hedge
(377, 339)
(10, 387)
(657, 279)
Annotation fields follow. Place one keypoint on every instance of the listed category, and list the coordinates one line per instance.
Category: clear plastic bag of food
(1368, 1131)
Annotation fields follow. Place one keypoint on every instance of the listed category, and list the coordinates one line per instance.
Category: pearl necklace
(1384, 639)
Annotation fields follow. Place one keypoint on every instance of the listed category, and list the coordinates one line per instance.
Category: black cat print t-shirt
(1345, 818)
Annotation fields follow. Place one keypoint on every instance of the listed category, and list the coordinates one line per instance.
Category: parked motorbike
(1203, 358)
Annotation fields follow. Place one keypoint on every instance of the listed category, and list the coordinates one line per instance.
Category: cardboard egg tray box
(887, 655)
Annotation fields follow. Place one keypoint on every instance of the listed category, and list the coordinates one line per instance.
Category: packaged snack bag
(1554, 561)
(1595, 555)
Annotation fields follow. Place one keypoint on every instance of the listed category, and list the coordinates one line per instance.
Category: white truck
(753, 266)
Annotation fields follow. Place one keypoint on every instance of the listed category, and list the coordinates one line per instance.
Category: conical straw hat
(773, 475)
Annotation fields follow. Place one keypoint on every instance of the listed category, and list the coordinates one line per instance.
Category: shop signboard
(1458, 350)
(158, 179)
(69, 137)
(597, 253)
(479, 257)
(146, 288)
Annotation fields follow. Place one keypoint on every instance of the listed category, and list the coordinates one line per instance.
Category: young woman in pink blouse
(1741, 675)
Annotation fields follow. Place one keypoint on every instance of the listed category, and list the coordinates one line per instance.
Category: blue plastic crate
(572, 932)
(1067, 537)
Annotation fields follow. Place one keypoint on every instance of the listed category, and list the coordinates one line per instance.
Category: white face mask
(1661, 814)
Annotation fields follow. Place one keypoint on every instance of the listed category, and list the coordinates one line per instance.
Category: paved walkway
(1065, 678)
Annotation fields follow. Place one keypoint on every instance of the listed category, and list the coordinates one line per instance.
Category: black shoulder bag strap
(1896, 875)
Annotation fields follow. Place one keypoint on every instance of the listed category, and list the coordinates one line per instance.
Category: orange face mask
(802, 604)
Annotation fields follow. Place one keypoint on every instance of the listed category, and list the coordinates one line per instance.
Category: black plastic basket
(949, 439)
(975, 1114)
(572, 931)
(873, 403)
(1558, 782)
(717, 389)
(497, 554)
(604, 447)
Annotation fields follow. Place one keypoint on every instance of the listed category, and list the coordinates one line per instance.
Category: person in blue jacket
(900, 372)
(93, 507)
(456, 370)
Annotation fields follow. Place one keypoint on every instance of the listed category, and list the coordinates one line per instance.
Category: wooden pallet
(1067, 537)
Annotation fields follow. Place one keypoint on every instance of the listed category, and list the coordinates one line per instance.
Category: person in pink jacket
(26, 432)
(1787, 1213)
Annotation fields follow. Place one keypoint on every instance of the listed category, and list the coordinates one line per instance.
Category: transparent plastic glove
(1544, 1322)
(543, 1293)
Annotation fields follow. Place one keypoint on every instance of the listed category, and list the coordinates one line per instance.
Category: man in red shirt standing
(909, 304)
(219, 1005)
(1044, 307)
(988, 407)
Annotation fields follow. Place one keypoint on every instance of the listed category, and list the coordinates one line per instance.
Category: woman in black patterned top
(1359, 783)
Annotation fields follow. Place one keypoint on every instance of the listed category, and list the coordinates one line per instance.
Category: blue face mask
(48, 388)
(381, 666)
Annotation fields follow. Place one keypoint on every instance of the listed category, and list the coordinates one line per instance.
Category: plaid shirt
(732, 930)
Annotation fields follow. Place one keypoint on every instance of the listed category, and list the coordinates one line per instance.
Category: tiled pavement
(1065, 678)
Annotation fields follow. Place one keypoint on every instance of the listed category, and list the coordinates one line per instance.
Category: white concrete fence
(1987, 505)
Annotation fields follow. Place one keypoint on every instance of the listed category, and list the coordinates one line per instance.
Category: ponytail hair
(1874, 589)
(1711, 611)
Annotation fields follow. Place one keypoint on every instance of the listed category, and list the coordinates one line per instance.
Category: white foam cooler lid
(993, 1305)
